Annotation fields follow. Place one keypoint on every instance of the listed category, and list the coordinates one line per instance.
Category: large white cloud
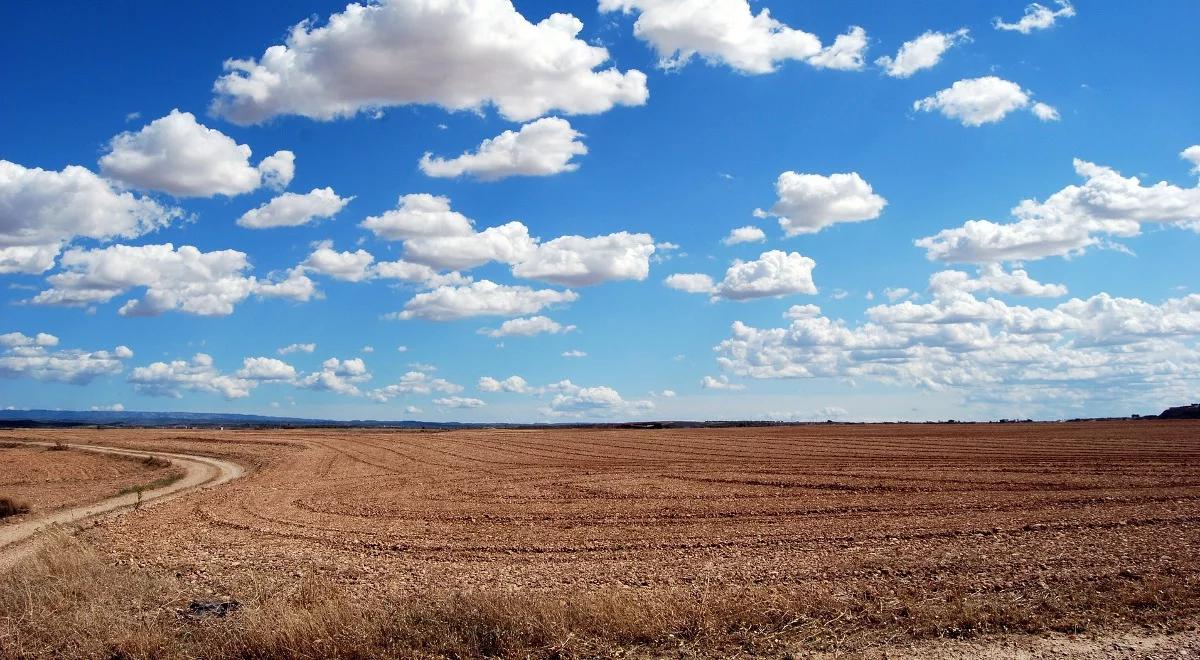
(580, 261)
(978, 101)
(482, 298)
(459, 54)
(809, 203)
(293, 210)
(1078, 217)
(176, 154)
(1079, 348)
(775, 273)
(42, 210)
(32, 357)
(187, 280)
(507, 243)
(443, 239)
(923, 52)
(1037, 17)
(728, 32)
(541, 148)
(199, 374)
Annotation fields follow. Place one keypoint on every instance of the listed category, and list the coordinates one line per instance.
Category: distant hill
(58, 418)
(172, 419)
(1182, 412)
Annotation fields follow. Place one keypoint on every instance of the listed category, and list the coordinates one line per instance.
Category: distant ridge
(173, 419)
(1182, 412)
(136, 419)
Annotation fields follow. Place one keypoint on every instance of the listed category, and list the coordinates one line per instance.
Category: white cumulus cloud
(42, 210)
(419, 215)
(293, 210)
(580, 261)
(808, 203)
(1037, 17)
(1106, 205)
(571, 400)
(775, 273)
(32, 357)
(747, 234)
(482, 298)
(514, 384)
(459, 54)
(979, 101)
(187, 280)
(199, 374)
(541, 148)
(728, 32)
(266, 369)
(176, 154)
(528, 327)
(923, 52)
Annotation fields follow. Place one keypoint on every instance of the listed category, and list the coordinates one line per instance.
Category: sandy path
(199, 472)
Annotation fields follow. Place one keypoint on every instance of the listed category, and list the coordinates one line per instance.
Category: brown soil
(786, 539)
(51, 480)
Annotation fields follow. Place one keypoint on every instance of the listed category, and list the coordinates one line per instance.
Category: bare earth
(917, 532)
(176, 474)
(50, 480)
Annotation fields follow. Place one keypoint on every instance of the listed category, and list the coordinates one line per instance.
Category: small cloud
(574, 354)
(720, 383)
(297, 348)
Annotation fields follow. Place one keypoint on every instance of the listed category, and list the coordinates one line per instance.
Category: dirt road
(200, 472)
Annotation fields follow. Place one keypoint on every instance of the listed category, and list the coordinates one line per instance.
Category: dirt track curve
(199, 472)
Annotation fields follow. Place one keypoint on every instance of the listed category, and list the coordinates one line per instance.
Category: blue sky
(892, 275)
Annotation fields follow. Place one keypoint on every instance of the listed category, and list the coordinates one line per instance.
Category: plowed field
(49, 480)
(1001, 526)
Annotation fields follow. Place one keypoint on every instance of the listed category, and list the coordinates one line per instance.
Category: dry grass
(67, 601)
(12, 507)
(152, 485)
